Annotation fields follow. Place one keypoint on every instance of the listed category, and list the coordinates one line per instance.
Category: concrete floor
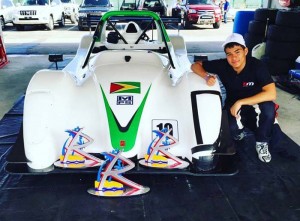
(15, 76)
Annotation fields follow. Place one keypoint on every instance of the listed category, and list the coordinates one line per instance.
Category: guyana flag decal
(125, 87)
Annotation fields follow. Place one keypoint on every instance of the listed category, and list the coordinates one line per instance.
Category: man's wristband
(207, 76)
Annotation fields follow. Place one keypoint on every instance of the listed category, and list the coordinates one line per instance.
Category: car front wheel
(186, 23)
(216, 25)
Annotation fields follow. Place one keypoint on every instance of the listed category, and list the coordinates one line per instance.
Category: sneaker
(263, 152)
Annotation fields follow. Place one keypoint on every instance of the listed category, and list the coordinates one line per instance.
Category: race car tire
(282, 50)
(278, 67)
(50, 25)
(263, 14)
(257, 27)
(283, 34)
(288, 18)
(252, 40)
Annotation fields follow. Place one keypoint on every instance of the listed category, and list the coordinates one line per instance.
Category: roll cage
(113, 17)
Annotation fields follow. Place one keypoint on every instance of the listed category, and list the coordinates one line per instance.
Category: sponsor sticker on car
(125, 100)
(125, 87)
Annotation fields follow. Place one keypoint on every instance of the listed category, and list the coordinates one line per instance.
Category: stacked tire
(257, 28)
(283, 43)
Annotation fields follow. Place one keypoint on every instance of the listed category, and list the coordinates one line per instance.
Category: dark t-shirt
(247, 83)
(226, 6)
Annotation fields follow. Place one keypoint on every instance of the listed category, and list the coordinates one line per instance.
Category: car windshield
(198, 2)
(129, 3)
(152, 3)
(66, 1)
(35, 2)
(126, 2)
(95, 3)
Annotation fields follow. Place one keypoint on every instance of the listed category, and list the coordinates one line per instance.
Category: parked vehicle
(7, 8)
(93, 8)
(71, 10)
(129, 5)
(157, 6)
(39, 12)
(201, 12)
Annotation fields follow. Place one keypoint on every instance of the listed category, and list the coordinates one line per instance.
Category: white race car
(127, 89)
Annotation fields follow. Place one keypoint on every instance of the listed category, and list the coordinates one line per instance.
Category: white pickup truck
(39, 12)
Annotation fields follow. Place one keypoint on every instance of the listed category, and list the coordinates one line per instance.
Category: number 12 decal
(159, 124)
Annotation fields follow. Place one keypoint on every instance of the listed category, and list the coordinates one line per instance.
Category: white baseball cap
(234, 37)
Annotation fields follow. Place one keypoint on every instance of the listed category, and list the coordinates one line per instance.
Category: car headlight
(192, 11)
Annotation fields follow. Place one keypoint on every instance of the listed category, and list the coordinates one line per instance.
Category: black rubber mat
(259, 191)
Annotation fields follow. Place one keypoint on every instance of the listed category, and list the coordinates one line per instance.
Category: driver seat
(132, 32)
